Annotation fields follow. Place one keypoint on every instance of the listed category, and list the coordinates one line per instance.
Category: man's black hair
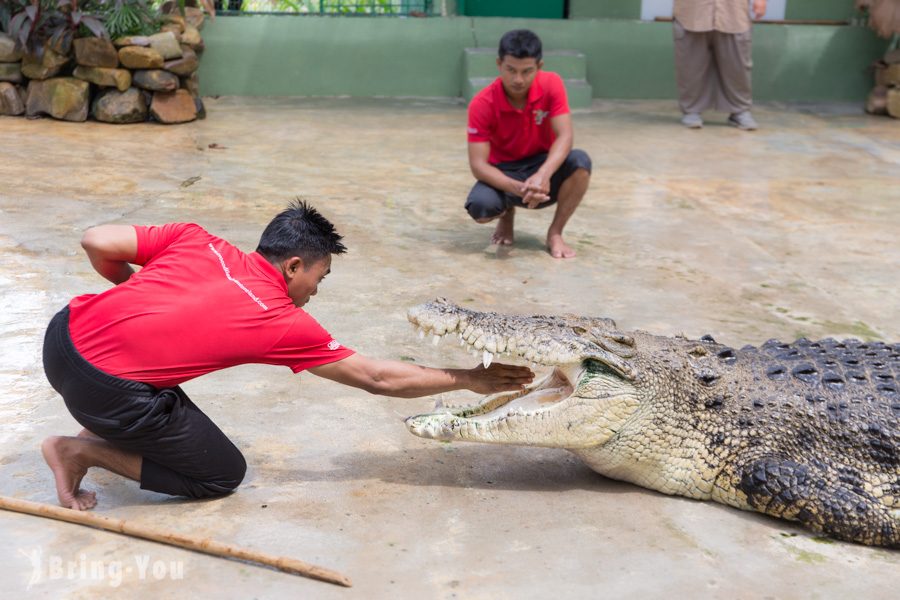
(302, 231)
(520, 43)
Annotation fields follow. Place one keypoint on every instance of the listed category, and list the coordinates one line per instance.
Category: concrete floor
(789, 231)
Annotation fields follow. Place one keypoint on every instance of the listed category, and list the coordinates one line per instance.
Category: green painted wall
(329, 56)
(535, 9)
(604, 9)
(840, 10)
(631, 9)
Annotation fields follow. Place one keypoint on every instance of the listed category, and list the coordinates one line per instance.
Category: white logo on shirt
(539, 116)
(473, 130)
(235, 281)
(334, 345)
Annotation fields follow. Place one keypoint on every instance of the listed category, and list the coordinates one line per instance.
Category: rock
(96, 52)
(10, 100)
(48, 65)
(117, 78)
(11, 72)
(113, 106)
(173, 29)
(892, 57)
(166, 44)
(194, 17)
(8, 52)
(890, 76)
(191, 37)
(191, 83)
(137, 57)
(893, 102)
(201, 109)
(155, 80)
(131, 40)
(174, 19)
(876, 103)
(63, 98)
(184, 66)
(173, 107)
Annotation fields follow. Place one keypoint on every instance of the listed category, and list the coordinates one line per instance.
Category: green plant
(130, 17)
(33, 22)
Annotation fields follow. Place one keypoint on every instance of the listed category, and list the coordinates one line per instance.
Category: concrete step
(579, 91)
(480, 69)
(482, 62)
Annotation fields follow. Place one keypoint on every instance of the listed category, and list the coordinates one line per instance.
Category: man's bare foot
(61, 454)
(503, 234)
(558, 247)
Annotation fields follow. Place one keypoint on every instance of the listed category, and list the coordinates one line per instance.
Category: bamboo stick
(205, 545)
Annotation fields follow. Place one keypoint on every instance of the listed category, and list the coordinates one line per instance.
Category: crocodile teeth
(486, 359)
(435, 339)
(421, 334)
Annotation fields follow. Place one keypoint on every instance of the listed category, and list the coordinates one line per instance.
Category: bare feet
(503, 234)
(558, 247)
(62, 454)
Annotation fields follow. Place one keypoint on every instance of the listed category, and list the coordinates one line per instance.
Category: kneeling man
(520, 145)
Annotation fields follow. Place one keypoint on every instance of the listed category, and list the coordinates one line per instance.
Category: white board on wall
(650, 9)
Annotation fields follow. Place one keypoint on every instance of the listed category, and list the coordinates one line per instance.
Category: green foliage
(130, 17)
(339, 7)
(34, 23)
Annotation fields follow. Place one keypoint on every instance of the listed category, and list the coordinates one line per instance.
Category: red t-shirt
(515, 133)
(198, 305)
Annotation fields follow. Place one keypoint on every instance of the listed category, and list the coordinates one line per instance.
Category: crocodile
(805, 431)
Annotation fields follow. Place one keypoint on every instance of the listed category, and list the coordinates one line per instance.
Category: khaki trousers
(712, 70)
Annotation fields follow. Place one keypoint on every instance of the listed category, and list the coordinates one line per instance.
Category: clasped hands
(535, 190)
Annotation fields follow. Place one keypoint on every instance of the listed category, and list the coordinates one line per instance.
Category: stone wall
(127, 80)
(885, 96)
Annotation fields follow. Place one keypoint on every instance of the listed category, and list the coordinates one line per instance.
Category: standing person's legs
(735, 60)
(694, 71)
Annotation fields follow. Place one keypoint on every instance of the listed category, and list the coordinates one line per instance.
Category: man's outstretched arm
(403, 380)
(110, 248)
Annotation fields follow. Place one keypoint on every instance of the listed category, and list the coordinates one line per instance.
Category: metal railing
(349, 8)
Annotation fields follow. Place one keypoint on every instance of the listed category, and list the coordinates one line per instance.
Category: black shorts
(184, 453)
(485, 202)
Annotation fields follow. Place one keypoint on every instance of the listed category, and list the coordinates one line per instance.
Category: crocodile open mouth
(588, 366)
(535, 398)
(487, 343)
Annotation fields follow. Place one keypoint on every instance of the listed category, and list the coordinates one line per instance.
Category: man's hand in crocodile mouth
(521, 416)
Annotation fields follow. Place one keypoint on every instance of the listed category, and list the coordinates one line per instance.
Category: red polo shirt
(515, 133)
(198, 305)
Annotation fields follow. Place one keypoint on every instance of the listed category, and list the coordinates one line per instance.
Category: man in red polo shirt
(197, 305)
(520, 145)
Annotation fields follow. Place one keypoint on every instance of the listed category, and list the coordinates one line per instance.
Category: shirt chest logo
(539, 116)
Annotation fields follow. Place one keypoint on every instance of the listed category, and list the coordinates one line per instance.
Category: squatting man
(198, 305)
(520, 145)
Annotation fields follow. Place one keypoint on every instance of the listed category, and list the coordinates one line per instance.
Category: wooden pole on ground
(205, 545)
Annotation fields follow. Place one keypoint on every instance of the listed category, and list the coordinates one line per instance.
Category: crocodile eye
(579, 330)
